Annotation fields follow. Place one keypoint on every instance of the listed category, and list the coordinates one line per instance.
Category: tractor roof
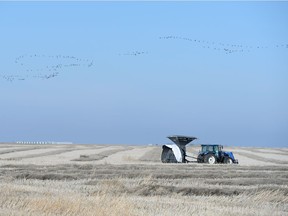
(181, 140)
(211, 145)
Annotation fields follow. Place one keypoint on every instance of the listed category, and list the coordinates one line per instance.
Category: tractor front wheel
(228, 160)
(210, 159)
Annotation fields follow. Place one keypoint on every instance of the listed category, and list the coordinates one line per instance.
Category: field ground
(131, 180)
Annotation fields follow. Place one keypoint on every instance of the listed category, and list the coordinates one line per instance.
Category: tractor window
(216, 148)
(204, 148)
(207, 148)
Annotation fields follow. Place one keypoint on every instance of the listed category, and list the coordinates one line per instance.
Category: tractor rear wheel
(210, 159)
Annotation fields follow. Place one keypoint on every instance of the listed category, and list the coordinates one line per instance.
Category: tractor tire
(228, 160)
(200, 159)
(210, 159)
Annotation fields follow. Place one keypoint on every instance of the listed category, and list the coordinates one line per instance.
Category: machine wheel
(210, 159)
(228, 160)
(200, 159)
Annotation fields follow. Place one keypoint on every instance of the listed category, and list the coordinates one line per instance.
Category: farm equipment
(211, 154)
(214, 154)
(176, 153)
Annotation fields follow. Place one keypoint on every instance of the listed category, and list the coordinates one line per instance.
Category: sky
(136, 72)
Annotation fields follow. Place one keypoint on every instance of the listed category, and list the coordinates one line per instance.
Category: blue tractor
(212, 154)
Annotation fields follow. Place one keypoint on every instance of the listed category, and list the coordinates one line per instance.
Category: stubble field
(131, 180)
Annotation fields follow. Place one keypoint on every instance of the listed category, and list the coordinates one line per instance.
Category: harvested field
(130, 180)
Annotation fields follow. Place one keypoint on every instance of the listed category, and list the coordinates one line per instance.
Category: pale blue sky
(135, 72)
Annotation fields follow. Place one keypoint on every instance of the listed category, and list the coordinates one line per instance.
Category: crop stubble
(148, 188)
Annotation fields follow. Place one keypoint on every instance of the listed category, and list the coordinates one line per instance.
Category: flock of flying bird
(44, 70)
(58, 63)
(133, 53)
(223, 47)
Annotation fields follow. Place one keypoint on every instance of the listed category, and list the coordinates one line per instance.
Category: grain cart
(214, 154)
(176, 153)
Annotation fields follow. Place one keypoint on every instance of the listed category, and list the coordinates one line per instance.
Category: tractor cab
(211, 148)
